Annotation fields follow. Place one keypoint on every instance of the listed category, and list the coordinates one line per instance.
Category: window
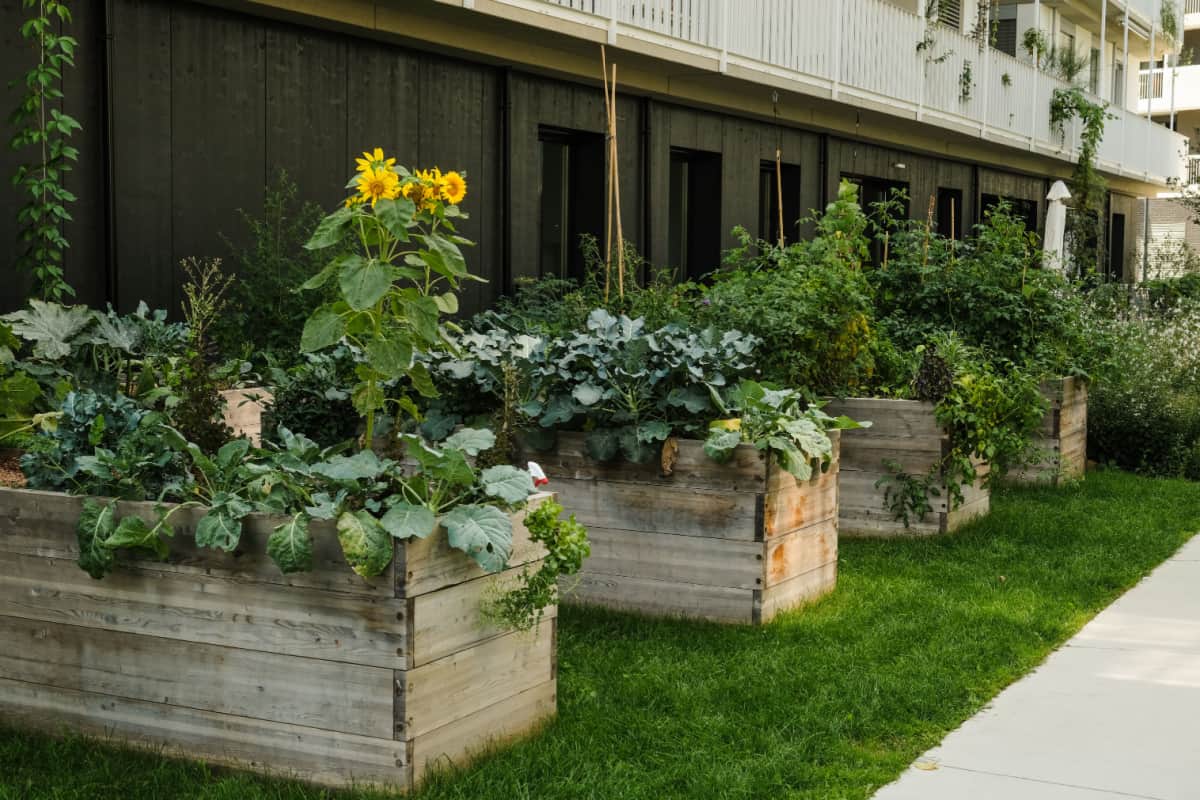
(571, 198)
(1094, 71)
(1026, 210)
(877, 190)
(768, 201)
(949, 13)
(950, 213)
(1006, 35)
(1118, 85)
(694, 225)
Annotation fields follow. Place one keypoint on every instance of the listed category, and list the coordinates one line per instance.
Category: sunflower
(377, 183)
(454, 188)
(375, 159)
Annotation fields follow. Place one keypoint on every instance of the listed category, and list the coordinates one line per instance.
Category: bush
(313, 398)
(1144, 406)
(558, 307)
(265, 313)
(810, 303)
(990, 290)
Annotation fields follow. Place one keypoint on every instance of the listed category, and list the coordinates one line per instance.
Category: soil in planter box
(10, 469)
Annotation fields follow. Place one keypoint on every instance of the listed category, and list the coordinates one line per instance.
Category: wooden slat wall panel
(306, 111)
(796, 553)
(663, 509)
(665, 598)
(514, 716)
(43, 524)
(294, 750)
(143, 155)
(270, 618)
(218, 137)
(458, 685)
(452, 619)
(304, 691)
(686, 559)
(459, 130)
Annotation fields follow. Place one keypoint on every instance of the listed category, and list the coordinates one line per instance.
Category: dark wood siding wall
(1021, 187)
(208, 105)
(923, 174)
(537, 102)
(743, 144)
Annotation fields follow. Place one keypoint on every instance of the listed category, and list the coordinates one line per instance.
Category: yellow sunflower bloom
(454, 188)
(377, 183)
(375, 159)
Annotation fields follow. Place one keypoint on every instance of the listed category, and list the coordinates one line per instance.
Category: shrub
(265, 314)
(313, 398)
(990, 290)
(810, 302)
(1144, 406)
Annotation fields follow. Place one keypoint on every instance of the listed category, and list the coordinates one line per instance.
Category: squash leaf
(365, 544)
(482, 532)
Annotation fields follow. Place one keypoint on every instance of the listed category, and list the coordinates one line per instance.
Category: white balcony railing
(864, 52)
(1193, 163)
(1174, 87)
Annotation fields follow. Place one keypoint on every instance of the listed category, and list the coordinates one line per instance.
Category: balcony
(862, 53)
(1158, 86)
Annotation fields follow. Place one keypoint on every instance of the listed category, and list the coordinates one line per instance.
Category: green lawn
(826, 703)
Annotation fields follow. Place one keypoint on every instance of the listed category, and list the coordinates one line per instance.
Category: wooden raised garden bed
(219, 656)
(907, 433)
(734, 542)
(244, 411)
(1062, 438)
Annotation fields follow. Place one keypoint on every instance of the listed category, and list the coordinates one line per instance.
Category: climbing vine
(966, 83)
(1088, 188)
(42, 128)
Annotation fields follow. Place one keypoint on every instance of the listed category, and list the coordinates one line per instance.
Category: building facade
(190, 108)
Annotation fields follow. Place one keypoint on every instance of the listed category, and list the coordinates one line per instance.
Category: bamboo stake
(928, 229)
(779, 194)
(616, 178)
(608, 187)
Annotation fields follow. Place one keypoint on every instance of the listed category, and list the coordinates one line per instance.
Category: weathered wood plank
(808, 504)
(667, 557)
(244, 411)
(978, 507)
(431, 563)
(276, 619)
(888, 418)
(516, 716)
(916, 455)
(746, 471)
(452, 619)
(302, 691)
(43, 524)
(311, 754)
(800, 552)
(854, 522)
(442, 691)
(798, 591)
(665, 598)
(655, 508)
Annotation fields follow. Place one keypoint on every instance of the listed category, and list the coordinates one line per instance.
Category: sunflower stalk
(398, 264)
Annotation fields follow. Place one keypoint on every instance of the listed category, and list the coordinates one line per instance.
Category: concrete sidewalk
(1113, 714)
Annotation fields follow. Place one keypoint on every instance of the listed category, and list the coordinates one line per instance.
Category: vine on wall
(1088, 188)
(42, 127)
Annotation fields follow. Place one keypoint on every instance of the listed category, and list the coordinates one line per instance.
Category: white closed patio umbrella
(1056, 226)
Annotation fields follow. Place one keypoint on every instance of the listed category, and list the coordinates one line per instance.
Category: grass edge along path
(827, 703)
